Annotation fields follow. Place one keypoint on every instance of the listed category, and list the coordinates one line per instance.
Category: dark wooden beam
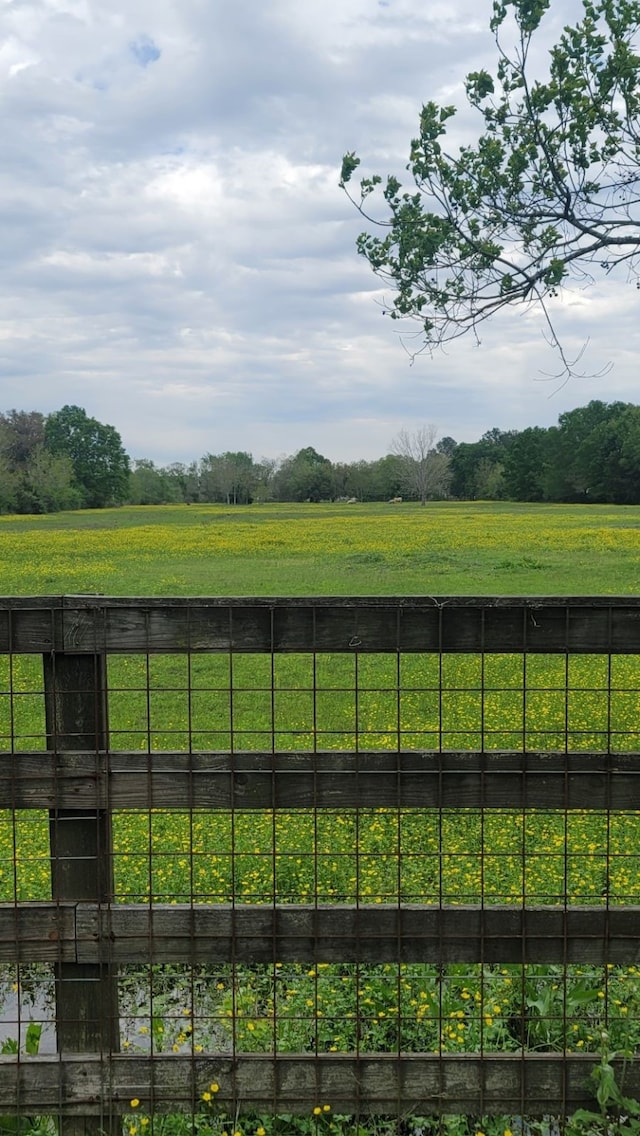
(547, 625)
(323, 780)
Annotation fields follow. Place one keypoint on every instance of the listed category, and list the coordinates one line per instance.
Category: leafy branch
(547, 196)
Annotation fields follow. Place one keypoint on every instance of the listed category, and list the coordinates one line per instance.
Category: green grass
(471, 548)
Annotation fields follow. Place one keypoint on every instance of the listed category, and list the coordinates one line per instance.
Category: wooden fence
(82, 780)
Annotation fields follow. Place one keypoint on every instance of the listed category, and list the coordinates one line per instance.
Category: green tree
(47, 484)
(307, 476)
(150, 485)
(525, 465)
(229, 477)
(21, 436)
(183, 481)
(265, 471)
(446, 445)
(573, 458)
(607, 463)
(548, 193)
(34, 479)
(100, 463)
(477, 467)
(628, 485)
(8, 487)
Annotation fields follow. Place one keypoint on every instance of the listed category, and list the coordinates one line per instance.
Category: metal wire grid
(385, 856)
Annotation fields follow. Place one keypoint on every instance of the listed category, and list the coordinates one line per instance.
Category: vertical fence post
(87, 1018)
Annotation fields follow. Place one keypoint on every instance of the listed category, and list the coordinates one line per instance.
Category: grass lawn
(456, 549)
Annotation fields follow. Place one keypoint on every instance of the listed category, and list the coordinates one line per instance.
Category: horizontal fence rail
(86, 624)
(168, 933)
(321, 780)
(270, 830)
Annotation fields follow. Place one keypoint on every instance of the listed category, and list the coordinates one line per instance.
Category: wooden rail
(330, 780)
(81, 779)
(259, 933)
(95, 624)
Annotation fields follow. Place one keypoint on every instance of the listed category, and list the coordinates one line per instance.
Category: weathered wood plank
(81, 861)
(37, 932)
(30, 624)
(365, 933)
(532, 1084)
(323, 780)
(218, 933)
(87, 624)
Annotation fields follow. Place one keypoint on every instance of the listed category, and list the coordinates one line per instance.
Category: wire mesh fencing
(316, 864)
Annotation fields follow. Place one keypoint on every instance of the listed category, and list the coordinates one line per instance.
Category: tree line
(68, 460)
(591, 455)
(64, 460)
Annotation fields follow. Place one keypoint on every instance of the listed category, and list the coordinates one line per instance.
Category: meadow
(381, 702)
(455, 549)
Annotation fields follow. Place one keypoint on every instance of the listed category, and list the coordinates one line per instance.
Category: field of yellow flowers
(444, 548)
(293, 703)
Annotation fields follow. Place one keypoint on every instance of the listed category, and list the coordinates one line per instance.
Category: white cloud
(179, 258)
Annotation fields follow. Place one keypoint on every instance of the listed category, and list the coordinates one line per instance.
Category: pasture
(456, 549)
(417, 702)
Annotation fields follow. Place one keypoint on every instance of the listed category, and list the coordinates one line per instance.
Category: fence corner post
(87, 1017)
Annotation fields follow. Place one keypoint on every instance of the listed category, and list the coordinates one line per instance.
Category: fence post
(87, 1019)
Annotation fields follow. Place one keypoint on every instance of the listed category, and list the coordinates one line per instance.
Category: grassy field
(471, 548)
(373, 856)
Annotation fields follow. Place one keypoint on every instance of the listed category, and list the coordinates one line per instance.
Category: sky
(179, 259)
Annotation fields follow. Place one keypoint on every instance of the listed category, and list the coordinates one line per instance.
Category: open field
(470, 548)
(414, 702)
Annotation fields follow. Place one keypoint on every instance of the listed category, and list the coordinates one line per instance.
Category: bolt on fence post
(87, 1019)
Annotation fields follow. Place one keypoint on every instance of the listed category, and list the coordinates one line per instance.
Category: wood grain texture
(88, 624)
(258, 933)
(86, 993)
(37, 932)
(372, 934)
(427, 1084)
(322, 780)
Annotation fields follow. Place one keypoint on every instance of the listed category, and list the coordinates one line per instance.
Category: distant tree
(570, 469)
(341, 480)
(183, 481)
(8, 487)
(35, 480)
(385, 478)
(425, 472)
(21, 436)
(477, 467)
(237, 474)
(446, 446)
(356, 480)
(626, 488)
(525, 465)
(307, 476)
(100, 463)
(47, 484)
(265, 471)
(360, 482)
(228, 477)
(607, 465)
(152, 485)
(463, 467)
(489, 480)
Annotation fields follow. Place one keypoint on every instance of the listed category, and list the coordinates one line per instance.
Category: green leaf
(32, 1040)
(350, 163)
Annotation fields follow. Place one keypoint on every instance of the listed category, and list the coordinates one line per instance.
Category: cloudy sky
(179, 260)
